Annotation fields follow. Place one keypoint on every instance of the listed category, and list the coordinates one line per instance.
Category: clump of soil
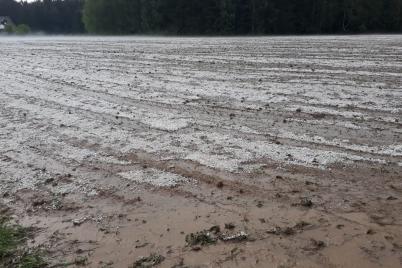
(230, 226)
(317, 244)
(150, 261)
(211, 236)
(304, 202)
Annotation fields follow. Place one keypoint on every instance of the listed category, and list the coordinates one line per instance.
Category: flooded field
(117, 148)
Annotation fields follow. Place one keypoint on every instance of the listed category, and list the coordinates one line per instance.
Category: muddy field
(118, 148)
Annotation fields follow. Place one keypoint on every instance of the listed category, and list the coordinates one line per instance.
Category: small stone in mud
(151, 261)
(142, 245)
(78, 222)
(196, 248)
(391, 198)
(370, 232)
(49, 181)
(340, 226)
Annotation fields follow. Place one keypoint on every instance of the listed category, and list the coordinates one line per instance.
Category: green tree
(9, 29)
(22, 29)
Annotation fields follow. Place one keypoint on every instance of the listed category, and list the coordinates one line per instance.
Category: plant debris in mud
(287, 231)
(304, 202)
(282, 231)
(230, 226)
(202, 238)
(13, 251)
(211, 236)
(151, 261)
(316, 245)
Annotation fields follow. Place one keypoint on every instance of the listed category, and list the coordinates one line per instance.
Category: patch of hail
(154, 177)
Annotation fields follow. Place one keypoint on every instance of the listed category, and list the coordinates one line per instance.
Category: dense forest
(212, 17)
(50, 16)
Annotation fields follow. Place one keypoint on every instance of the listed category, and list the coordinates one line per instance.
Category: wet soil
(272, 152)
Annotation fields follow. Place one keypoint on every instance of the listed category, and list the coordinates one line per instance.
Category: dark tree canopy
(242, 16)
(51, 16)
(207, 17)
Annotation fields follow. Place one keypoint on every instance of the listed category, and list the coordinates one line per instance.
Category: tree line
(207, 17)
(49, 16)
(242, 16)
